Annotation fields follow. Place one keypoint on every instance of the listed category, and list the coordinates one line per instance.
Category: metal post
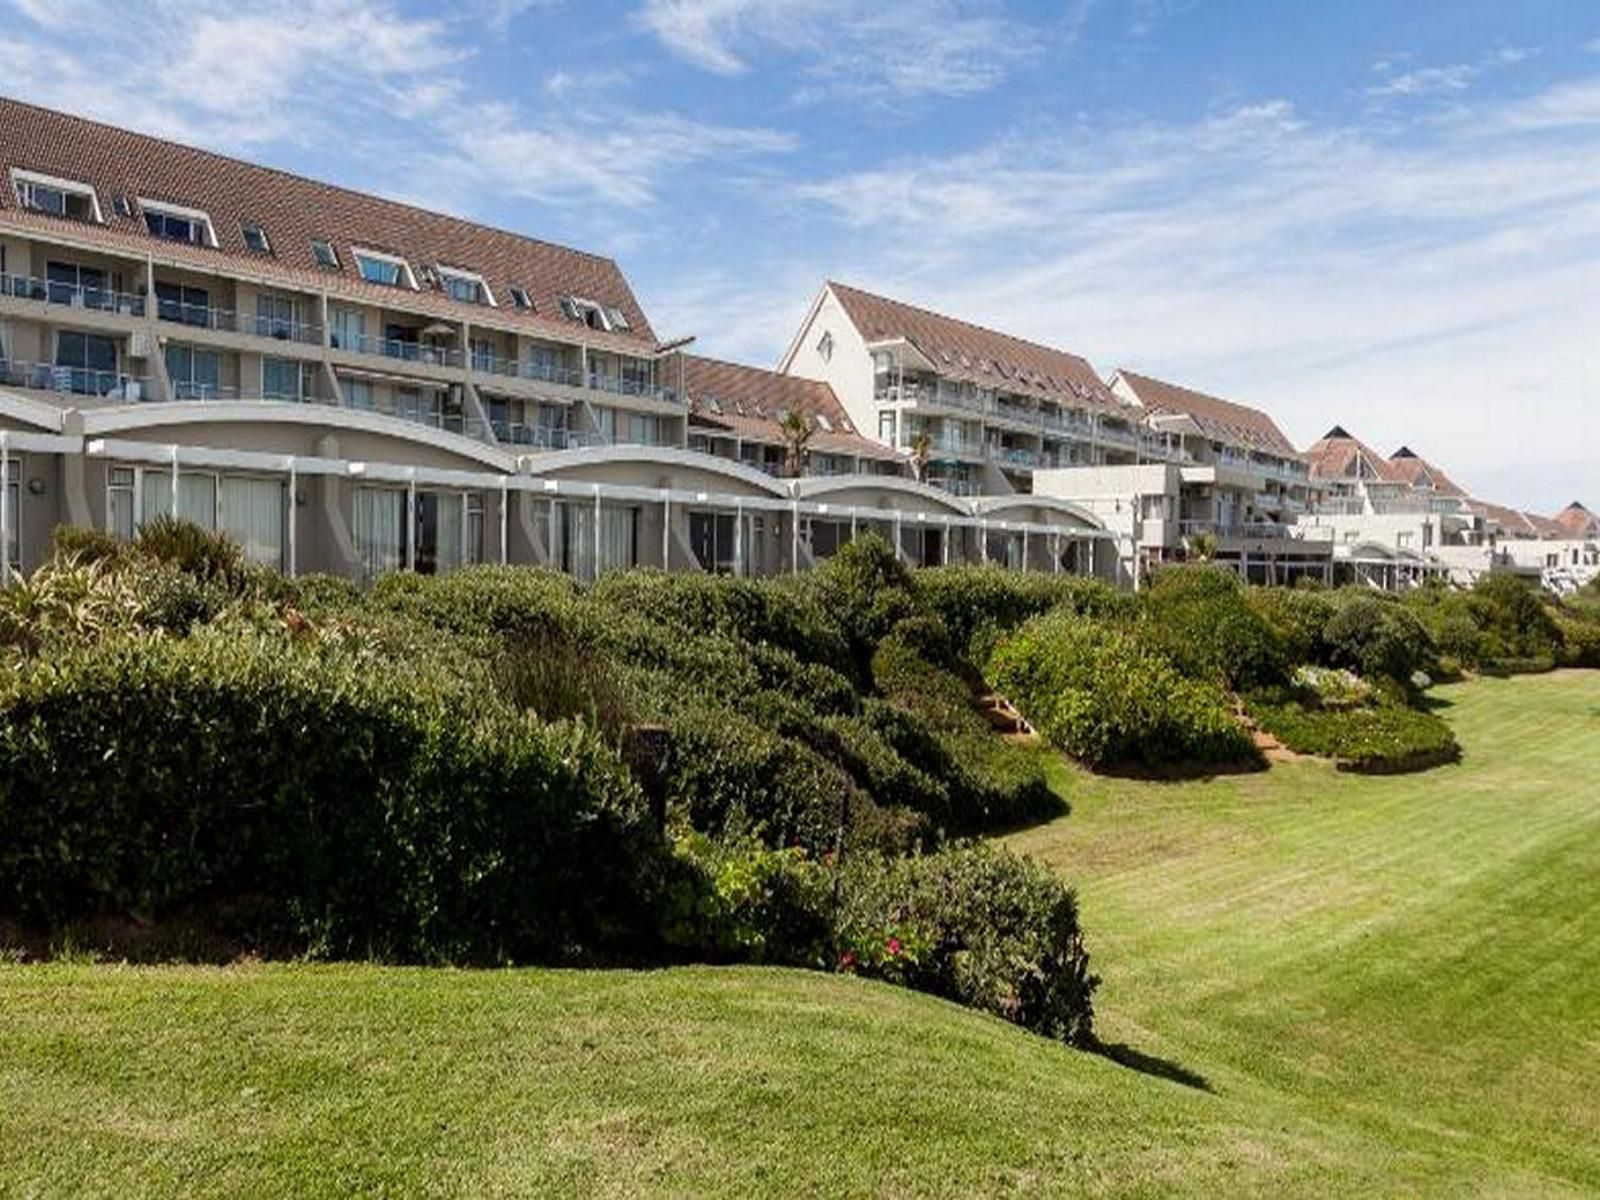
(597, 531)
(294, 554)
(947, 541)
(174, 483)
(738, 538)
(794, 534)
(505, 505)
(852, 522)
(411, 522)
(550, 535)
(983, 540)
(666, 527)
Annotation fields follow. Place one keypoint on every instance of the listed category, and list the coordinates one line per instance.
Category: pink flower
(894, 946)
(847, 961)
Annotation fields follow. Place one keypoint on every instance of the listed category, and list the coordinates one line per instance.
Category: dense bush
(371, 810)
(1378, 737)
(990, 600)
(1580, 639)
(1378, 639)
(1104, 696)
(1502, 624)
(976, 925)
(1200, 618)
(1298, 616)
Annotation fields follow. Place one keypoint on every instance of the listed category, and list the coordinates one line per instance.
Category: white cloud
(873, 48)
(1426, 81)
(1431, 286)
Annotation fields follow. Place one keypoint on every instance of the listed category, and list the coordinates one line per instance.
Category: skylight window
(465, 286)
(384, 269)
(519, 297)
(174, 223)
(255, 238)
(56, 197)
(322, 250)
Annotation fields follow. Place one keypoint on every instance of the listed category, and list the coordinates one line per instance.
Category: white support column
(794, 534)
(5, 509)
(666, 529)
(411, 522)
(174, 483)
(505, 506)
(852, 522)
(550, 535)
(596, 533)
(294, 545)
(738, 539)
(947, 541)
(983, 540)
(899, 539)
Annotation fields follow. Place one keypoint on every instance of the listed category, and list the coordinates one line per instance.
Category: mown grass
(1384, 984)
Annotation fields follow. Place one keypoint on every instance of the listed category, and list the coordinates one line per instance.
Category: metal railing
(91, 297)
(79, 381)
(545, 437)
(208, 316)
(1246, 529)
(192, 389)
(622, 386)
(405, 351)
(420, 414)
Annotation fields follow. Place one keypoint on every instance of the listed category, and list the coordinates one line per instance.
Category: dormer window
(174, 223)
(466, 287)
(322, 250)
(255, 238)
(595, 316)
(519, 297)
(56, 197)
(384, 269)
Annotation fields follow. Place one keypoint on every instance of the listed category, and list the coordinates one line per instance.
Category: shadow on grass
(1125, 1055)
(1177, 772)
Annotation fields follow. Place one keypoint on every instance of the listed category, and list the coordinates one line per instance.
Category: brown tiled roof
(1578, 521)
(973, 354)
(1222, 420)
(1517, 524)
(1337, 455)
(749, 402)
(294, 210)
(1419, 472)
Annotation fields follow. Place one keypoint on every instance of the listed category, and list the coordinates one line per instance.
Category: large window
(380, 531)
(174, 224)
(186, 305)
(585, 556)
(250, 510)
(253, 513)
(86, 363)
(57, 197)
(448, 531)
(196, 374)
(276, 316)
(714, 539)
(285, 379)
(79, 287)
(384, 269)
(465, 286)
(349, 328)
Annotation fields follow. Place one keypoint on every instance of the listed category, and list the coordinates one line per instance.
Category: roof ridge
(984, 329)
(124, 131)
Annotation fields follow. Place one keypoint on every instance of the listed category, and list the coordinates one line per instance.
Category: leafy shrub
(370, 810)
(1380, 737)
(866, 589)
(1104, 696)
(976, 925)
(1378, 639)
(1501, 624)
(1580, 640)
(1199, 617)
(743, 902)
(1298, 616)
(203, 553)
(84, 545)
(994, 601)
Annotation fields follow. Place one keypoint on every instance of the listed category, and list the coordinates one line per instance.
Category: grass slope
(1388, 984)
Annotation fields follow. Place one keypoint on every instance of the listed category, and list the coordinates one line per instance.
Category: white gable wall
(848, 369)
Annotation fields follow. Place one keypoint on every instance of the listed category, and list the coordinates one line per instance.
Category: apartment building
(347, 384)
(977, 410)
(1212, 477)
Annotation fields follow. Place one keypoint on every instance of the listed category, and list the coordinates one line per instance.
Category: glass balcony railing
(76, 381)
(89, 296)
(206, 316)
(397, 348)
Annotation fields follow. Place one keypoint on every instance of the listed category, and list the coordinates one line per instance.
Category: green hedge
(366, 809)
(1104, 696)
(1378, 638)
(1382, 737)
(991, 601)
(1200, 618)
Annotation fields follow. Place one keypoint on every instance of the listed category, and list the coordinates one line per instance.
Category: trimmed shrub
(976, 925)
(1382, 737)
(1378, 639)
(1102, 695)
(1580, 640)
(744, 902)
(992, 600)
(1199, 617)
(365, 810)
(203, 553)
(1298, 616)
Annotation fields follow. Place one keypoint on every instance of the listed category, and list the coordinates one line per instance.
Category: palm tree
(797, 433)
(921, 452)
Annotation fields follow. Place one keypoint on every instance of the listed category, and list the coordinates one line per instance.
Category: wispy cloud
(875, 48)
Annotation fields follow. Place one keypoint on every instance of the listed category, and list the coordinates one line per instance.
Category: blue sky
(1378, 214)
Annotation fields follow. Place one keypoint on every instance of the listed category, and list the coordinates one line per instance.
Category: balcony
(538, 372)
(205, 316)
(1013, 456)
(74, 381)
(544, 437)
(1122, 435)
(88, 297)
(404, 351)
(955, 485)
(623, 386)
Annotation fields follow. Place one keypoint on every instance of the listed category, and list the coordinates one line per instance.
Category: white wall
(848, 370)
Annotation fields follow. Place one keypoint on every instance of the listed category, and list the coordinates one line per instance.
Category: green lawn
(1388, 985)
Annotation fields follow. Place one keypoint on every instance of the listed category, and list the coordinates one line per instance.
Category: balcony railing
(190, 389)
(1249, 529)
(1121, 434)
(545, 437)
(405, 351)
(955, 486)
(419, 414)
(623, 386)
(206, 316)
(79, 381)
(91, 297)
(1015, 456)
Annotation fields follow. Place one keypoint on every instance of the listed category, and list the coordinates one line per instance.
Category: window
(357, 393)
(120, 205)
(56, 197)
(712, 537)
(615, 319)
(587, 548)
(276, 316)
(186, 305)
(384, 269)
(175, 224)
(483, 355)
(886, 427)
(253, 512)
(255, 238)
(86, 363)
(196, 500)
(825, 347)
(519, 297)
(79, 287)
(465, 286)
(322, 251)
(380, 530)
(591, 314)
(349, 328)
(285, 379)
(196, 374)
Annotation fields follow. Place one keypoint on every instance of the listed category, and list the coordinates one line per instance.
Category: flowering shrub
(1386, 736)
(1331, 687)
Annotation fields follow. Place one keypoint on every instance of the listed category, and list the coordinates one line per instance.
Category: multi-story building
(983, 409)
(347, 384)
(1213, 476)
